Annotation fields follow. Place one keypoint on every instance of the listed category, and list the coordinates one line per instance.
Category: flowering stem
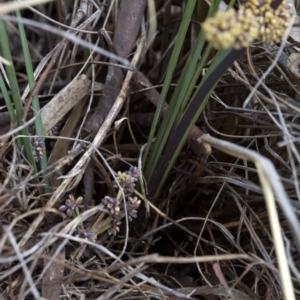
(77, 212)
(102, 215)
(107, 224)
(119, 195)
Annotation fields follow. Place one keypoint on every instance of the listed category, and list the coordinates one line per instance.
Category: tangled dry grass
(208, 235)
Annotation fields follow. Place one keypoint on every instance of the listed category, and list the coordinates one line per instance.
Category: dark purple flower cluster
(116, 208)
(134, 172)
(114, 226)
(38, 148)
(70, 204)
(112, 205)
(87, 235)
(127, 179)
(132, 206)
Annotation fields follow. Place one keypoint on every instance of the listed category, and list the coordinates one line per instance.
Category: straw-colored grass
(170, 168)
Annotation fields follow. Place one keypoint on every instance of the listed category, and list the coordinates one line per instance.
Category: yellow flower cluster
(273, 21)
(255, 19)
(231, 29)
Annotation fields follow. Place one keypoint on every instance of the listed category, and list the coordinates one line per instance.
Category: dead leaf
(61, 146)
(65, 100)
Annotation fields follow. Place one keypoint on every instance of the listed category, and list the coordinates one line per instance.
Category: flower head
(112, 205)
(264, 20)
(38, 148)
(115, 227)
(126, 182)
(134, 172)
(272, 16)
(87, 235)
(231, 29)
(70, 204)
(132, 206)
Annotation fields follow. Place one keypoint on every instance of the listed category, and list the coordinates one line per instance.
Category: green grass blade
(165, 63)
(223, 59)
(7, 100)
(194, 80)
(174, 58)
(32, 83)
(174, 106)
(16, 95)
(180, 98)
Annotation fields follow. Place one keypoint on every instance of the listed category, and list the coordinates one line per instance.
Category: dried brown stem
(125, 35)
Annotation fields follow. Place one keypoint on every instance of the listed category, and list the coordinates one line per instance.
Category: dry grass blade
(218, 291)
(211, 234)
(12, 6)
(268, 178)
